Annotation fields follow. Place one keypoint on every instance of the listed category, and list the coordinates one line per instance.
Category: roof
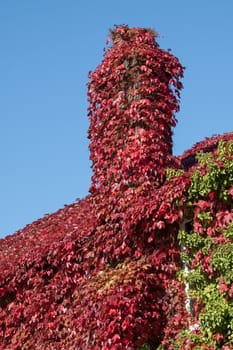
(87, 268)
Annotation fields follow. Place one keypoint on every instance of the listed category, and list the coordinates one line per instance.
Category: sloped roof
(61, 285)
(209, 144)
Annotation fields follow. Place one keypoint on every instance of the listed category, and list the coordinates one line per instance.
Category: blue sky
(47, 49)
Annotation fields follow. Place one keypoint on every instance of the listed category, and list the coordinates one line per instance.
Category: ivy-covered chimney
(133, 95)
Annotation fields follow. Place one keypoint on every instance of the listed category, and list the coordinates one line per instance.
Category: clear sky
(47, 48)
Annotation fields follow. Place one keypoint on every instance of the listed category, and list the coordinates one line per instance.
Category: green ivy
(219, 173)
(171, 173)
(145, 347)
(209, 253)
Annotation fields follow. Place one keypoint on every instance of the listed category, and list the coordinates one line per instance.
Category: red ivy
(133, 96)
(102, 273)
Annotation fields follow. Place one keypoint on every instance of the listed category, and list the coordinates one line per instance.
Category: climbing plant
(106, 273)
(133, 94)
(209, 251)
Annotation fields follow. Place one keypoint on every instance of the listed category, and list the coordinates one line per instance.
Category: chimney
(133, 97)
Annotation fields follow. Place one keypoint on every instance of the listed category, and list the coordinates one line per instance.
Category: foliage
(145, 347)
(209, 251)
(102, 273)
(133, 96)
